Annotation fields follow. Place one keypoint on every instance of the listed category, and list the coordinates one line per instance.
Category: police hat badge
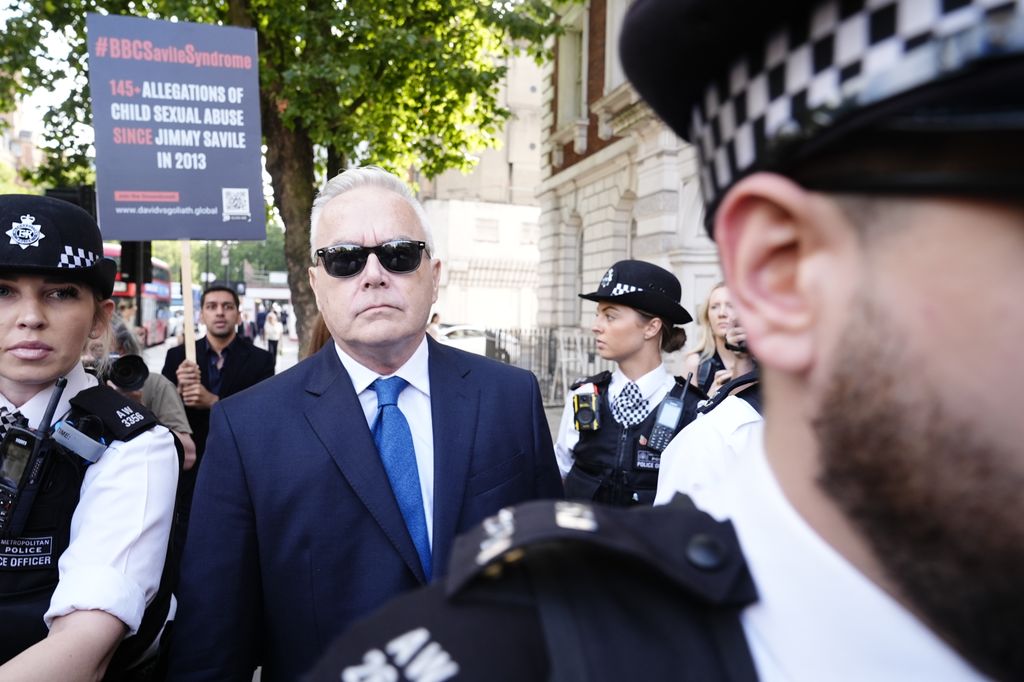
(644, 286)
(47, 235)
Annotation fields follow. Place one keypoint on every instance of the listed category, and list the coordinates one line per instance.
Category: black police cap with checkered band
(766, 85)
(644, 286)
(45, 235)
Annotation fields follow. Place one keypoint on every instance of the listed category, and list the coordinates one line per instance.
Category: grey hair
(124, 339)
(366, 176)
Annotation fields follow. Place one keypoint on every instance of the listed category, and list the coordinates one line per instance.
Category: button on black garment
(706, 552)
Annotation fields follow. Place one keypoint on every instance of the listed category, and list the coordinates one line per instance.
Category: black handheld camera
(128, 372)
(23, 456)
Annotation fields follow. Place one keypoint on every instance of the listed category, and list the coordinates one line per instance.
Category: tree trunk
(335, 162)
(290, 164)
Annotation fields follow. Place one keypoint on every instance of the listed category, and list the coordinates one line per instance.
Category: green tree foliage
(9, 184)
(399, 83)
(263, 255)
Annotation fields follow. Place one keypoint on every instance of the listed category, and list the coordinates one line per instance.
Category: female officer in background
(77, 578)
(616, 424)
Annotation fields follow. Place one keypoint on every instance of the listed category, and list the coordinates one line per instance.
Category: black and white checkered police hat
(46, 235)
(758, 85)
(644, 286)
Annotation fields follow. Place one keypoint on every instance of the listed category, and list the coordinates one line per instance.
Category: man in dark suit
(862, 165)
(224, 364)
(343, 481)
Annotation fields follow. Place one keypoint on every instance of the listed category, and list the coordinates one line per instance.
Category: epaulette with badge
(615, 588)
(679, 541)
(745, 386)
(100, 415)
(599, 378)
(558, 590)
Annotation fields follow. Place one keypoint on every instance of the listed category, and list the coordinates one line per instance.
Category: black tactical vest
(613, 464)
(28, 564)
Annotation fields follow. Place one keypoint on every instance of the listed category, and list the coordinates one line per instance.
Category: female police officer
(616, 424)
(77, 572)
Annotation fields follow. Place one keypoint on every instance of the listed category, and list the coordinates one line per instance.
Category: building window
(528, 233)
(614, 76)
(571, 69)
(487, 230)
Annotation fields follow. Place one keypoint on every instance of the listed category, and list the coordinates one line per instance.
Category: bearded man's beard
(938, 500)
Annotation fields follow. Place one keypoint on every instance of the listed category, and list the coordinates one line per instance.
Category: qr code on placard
(236, 203)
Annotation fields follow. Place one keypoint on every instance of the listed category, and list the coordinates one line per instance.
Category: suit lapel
(454, 403)
(336, 417)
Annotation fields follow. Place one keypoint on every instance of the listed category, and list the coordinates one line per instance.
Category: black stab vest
(611, 465)
(28, 564)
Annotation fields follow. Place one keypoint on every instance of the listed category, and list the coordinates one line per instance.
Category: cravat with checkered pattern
(9, 419)
(630, 407)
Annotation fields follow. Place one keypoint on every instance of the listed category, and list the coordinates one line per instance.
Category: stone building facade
(486, 222)
(617, 182)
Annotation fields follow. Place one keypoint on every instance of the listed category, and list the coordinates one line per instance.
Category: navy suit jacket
(244, 366)
(295, 532)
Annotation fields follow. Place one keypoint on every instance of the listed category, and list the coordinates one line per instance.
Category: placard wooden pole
(186, 300)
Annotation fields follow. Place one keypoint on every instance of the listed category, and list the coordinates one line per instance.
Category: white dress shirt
(120, 527)
(817, 617)
(654, 386)
(414, 402)
(708, 449)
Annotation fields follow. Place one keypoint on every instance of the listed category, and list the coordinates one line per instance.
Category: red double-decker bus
(156, 298)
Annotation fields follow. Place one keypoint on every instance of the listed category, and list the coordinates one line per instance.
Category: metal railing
(557, 357)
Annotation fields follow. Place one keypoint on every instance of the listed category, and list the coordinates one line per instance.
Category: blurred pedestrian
(156, 392)
(272, 328)
(434, 327)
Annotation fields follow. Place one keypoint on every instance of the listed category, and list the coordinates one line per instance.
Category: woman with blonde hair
(714, 363)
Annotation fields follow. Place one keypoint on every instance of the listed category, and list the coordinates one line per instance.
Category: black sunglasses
(347, 260)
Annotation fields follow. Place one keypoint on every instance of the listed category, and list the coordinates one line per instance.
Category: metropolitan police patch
(26, 233)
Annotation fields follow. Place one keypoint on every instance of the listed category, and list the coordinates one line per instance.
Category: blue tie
(394, 443)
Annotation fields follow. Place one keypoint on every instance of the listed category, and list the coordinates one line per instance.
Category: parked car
(480, 341)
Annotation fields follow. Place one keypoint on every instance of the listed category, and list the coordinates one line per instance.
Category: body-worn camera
(585, 411)
(23, 456)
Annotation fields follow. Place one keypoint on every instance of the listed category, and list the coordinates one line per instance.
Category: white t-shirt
(707, 449)
(817, 617)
